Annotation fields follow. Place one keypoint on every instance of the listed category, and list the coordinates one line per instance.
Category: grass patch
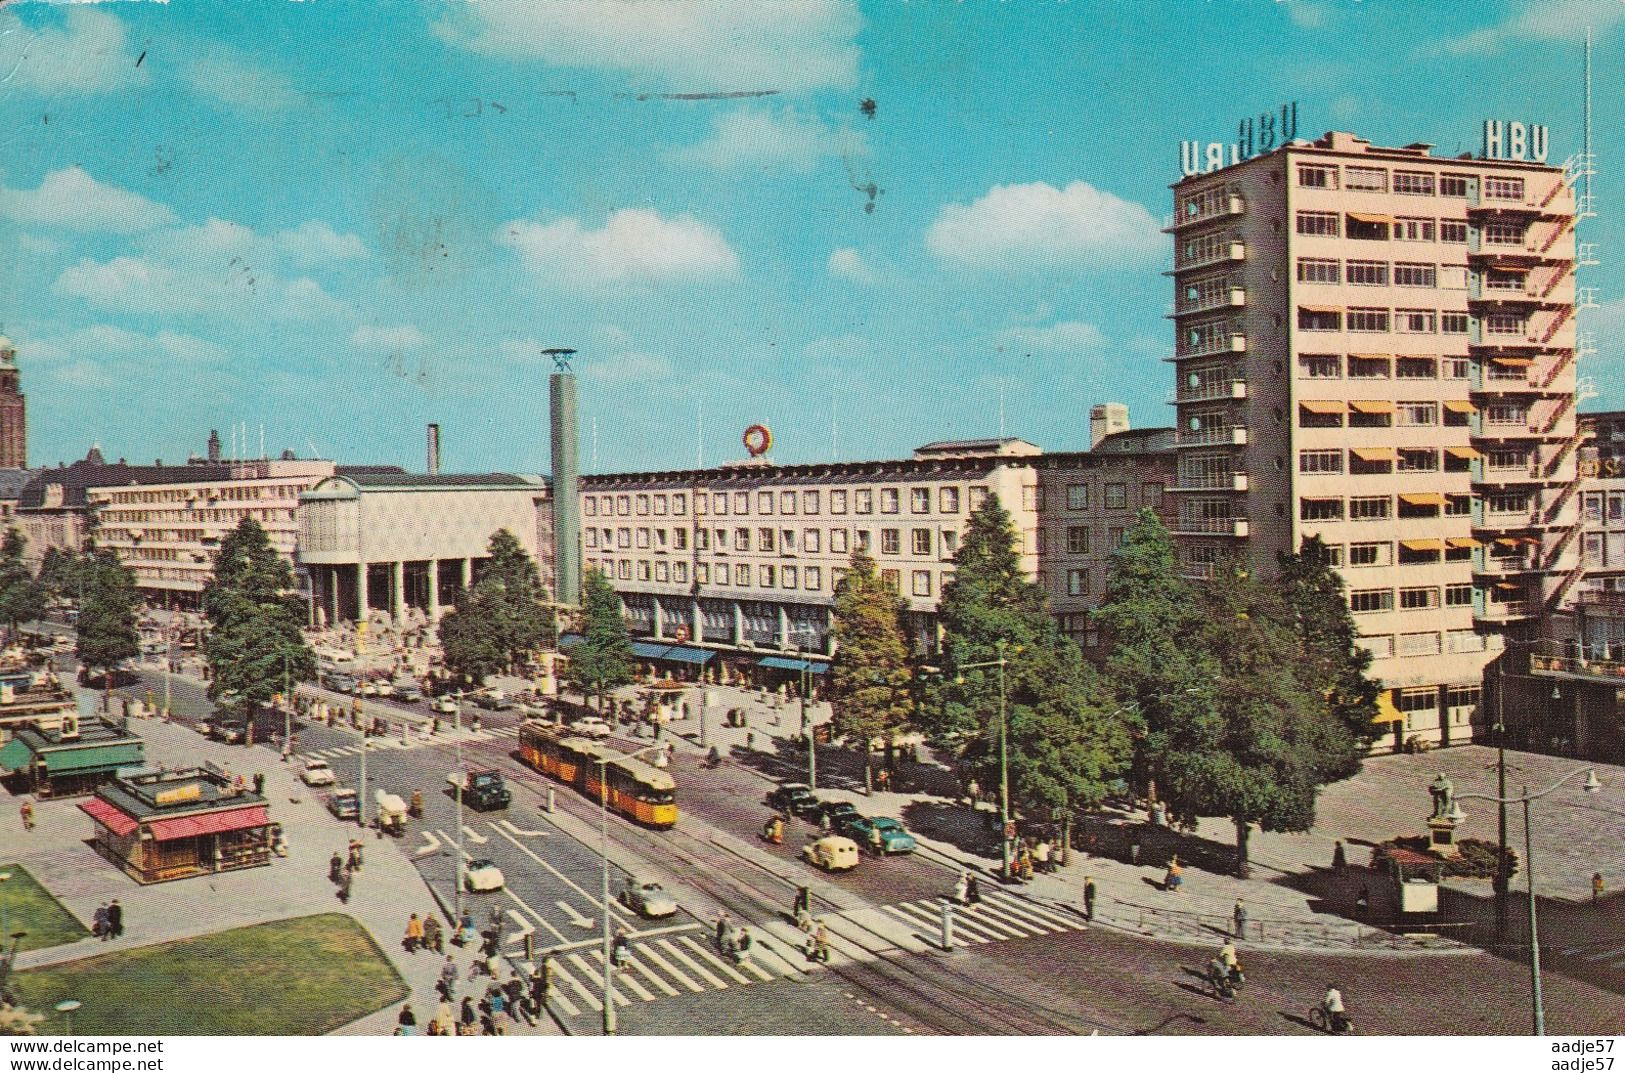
(299, 977)
(29, 907)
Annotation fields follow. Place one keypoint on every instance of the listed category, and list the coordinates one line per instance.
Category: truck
(482, 790)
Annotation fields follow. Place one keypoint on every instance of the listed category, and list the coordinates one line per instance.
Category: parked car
(832, 853)
(446, 705)
(408, 693)
(366, 688)
(836, 812)
(591, 727)
(649, 899)
(317, 773)
(385, 689)
(344, 804)
(340, 683)
(795, 798)
(482, 874)
(493, 700)
(893, 837)
(482, 790)
(230, 731)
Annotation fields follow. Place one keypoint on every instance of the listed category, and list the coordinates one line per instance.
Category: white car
(649, 899)
(317, 773)
(482, 875)
(591, 728)
(444, 705)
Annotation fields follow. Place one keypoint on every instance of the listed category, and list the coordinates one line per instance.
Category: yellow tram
(636, 790)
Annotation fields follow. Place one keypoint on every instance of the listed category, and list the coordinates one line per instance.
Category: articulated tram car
(636, 790)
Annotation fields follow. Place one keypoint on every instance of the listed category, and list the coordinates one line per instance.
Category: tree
(869, 679)
(21, 597)
(1064, 741)
(255, 647)
(59, 574)
(503, 618)
(603, 659)
(107, 629)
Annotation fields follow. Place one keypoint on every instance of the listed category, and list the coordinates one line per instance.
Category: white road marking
(508, 826)
(699, 970)
(624, 979)
(539, 918)
(525, 927)
(474, 836)
(590, 972)
(561, 973)
(431, 844)
(712, 959)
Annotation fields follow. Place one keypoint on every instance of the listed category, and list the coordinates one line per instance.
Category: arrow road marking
(539, 918)
(525, 927)
(508, 824)
(575, 918)
(432, 844)
(477, 839)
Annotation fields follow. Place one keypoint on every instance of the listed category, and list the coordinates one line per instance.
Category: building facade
(13, 411)
(1376, 347)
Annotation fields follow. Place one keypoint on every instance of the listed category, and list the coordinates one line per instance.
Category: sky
(340, 221)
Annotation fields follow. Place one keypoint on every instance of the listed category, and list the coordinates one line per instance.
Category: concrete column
(829, 633)
(397, 591)
(783, 638)
(739, 623)
(697, 630)
(468, 574)
(658, 617)
(434, 591)
(361, 592)
(332, 575)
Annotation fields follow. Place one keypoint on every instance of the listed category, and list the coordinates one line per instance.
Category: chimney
(434, 450)
(566, 474)
(1106, 419)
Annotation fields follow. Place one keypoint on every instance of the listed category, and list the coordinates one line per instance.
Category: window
(679, 573)
(642, 538)
(1368, 273)
(679, 539)
(1454, 185)
(1504, 324)
(1318, 270)
(1409, 274)
(1422, 598)
(1415, 369)
(1368, 229)
(1324, 461)
(662, 571)
(1077, 540)
(837, 541)
(787, 502)
(1368, 320)
(836, 576)
(741, 502)
(719, 504)
(1454, 324)
(920, 541)
(702, 573)
(1318, 176)
(1116, 495)
(1320, 510)
(1358, 178)
(1151, 494)
(950, 545)
(812, 578)
(1452, 231)
(810, 542)
(765, 576)
(1419, 644)
(764, 540)
(591, 508)
(679, 504)
(1370, 554)
(1370, 508)
(788, 577)
(891, 579)
(1319, 320)
(922, 583)
(837, 501)
(742, 539)
(1077, 582)
(1505, 234)
(1308, 418)
(1414, 182)
(1416, 321)
(889, 501)
(1413, 229)
(1115, 535)
(1318, 223)
(623, 505)
(948, 500)
(978, 496)
(1503, 189)
(1363, 601)
(891, 542)
(764, 502)
(623, 538)
(863, 501)
(1416, 413)
(787, 541)
(1593, 506)
(809, 502)
(919, 501)
(660, 504)
(1368, 367)
(592, 538)
(623, 570)
(1458, 595)
(1380, 646)
(1320, 366)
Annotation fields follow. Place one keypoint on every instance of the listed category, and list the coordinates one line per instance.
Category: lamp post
(807, 729)
(603, 852)
(1591, 786)
(1004, 756)
(462, 777)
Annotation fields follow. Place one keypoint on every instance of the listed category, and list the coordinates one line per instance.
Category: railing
(1594, 668)
(1562, 273)
(1559, 363)
(1213, 526)
(1569, 536)
(1556, 506)
(1565, 585)
(1203, 437)
(1231, 205)
(1231, 296)
(1560, 319)
(1234, 343)
(1558, 232)
(1224, 482)
(1228, 389)
(1564, 405)
(1569, 445)
(1227, 251)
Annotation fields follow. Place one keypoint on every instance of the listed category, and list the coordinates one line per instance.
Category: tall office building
(13, 411)
(1376, 346)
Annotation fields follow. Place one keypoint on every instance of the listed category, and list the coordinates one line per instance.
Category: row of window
(1380, 414)
(1114, 495)
(762, 576)
(1382, 508)
(1381, 273)
(770, 541)
(1364, 461)
(1594, 507)
(1405, 321)
(841, 501)
(1402, 181)
(1605, 550)
(230, 515)
(1383, 367)
(1411, 598)
(232, 492)
(1371, 227)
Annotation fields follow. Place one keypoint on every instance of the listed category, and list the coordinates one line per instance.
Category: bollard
(947, 925)
(530, 946)
(550, 799)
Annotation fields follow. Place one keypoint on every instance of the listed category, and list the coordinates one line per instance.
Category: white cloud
(88, 54)
(634, 246)
(398, 337)
(1304, 14)
(142, 286)
(1550, 20)
(696, 45)
(1034, 225)
(71, 200)
(1065, 336)
(102, 355)
(848, 264)
(38, 244)
(780, 139)
(629, 367)
(239, 83)
(215, 241)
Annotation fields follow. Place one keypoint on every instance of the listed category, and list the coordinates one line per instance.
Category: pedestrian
(115, 919)
(488, 943)
(973, 792)
(488, 1024)
(467, 1016)
(344, 887)
(618, 948)
(742, 943)
(803, 903)
(1174, 877)
(1340, 859)
(821, 943)
(1041, 860)
(98, 923)
(414, 934)
(514, 989)
(407, 1023)
(973, 891)
(26, 811)
(433, 938)
(1089, 898)
(1134, 849)
(445, 1019)
(465, 928)
(962, 889)
(1239, 916)
(352, 862)
(496, 997)
(722, 927)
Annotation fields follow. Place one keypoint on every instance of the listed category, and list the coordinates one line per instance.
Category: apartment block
(1376, 346)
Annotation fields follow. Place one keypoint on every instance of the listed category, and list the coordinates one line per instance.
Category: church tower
(13, 411)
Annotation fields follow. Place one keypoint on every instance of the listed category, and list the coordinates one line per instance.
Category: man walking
(722, 928)
(115, 919)
(1089, 898)
(1240, 916)
(26, 811)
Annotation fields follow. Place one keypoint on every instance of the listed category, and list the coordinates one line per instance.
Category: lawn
(27, 906)
(300, 977)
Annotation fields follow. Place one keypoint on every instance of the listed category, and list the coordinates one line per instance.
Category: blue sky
(343, 220)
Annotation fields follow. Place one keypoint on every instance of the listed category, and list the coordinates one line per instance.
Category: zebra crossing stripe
(652, 977)
(1604, 954)
(556, 994)
(913, 916)
(699, 970)
(775, 962)
(647, 950)
(1055, 919)
(624, 979)
(560, 972)
(712, 959)
(1018, 914)
(589, 972)
(980, 918)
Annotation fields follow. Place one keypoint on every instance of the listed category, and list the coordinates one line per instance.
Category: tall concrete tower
(566, 480)
(434, 450)
(13, 411)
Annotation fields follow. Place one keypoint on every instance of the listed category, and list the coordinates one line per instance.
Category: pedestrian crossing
(997, 917)
(417, 740)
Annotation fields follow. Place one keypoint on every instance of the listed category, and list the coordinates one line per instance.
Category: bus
(638, 791)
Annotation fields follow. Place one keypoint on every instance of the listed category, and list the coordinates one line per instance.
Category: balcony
(1234, 343)
(1228, 389)
(1224, 253)
(1210, 437)
(1229, 527)
(1487, 610)
(1231, 482)
(1505, 475)
(1233, 298)
(1582, 668)
(1223, 208)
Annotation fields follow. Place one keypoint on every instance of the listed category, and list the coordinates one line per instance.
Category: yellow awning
(1423, 499)
(1372, 357)
(1371, 406)
(1506, 586)
(1374, 454)
(1422, 545)
(1321, 309)
(1506, 542)
(1460, 406)
(1322, 406)
(1462, 542)
(1371, 218)
(1512, 363)
(1461, 452)
(1386, 712)
(1530, 540)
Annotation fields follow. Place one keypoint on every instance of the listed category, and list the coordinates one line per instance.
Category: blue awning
(648, 650)
(781, 663)
(672, 653)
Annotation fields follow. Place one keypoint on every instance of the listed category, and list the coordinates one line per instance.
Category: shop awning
(1372, 357)
(781, 663)
(1428, 544)
(1506, 542)
(109, 816)
(1511, 363)
(1506, 586)
(1462, 542)
(1468, 453)
(1374, 454)
(1323, 406)
(1371, 406)
(16, 755)
(120, 754)
(1386, 712)
(210, 823)
(675, 653)
(1321, 309)
(1460, 406)
(1422, 499)
(648, 650)
(1371, 218)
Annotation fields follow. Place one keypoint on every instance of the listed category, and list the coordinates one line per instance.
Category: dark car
(230, 731)
(796, 798)
(492, 702)
(836, 812)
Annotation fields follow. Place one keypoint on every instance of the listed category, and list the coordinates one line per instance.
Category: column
(739, 624)
(434, 591)
(361, 592)
(332, 575)
(658, 617)
(468, 574)
(697, 630)
(397, 591)
(829, 633)
(784, 640)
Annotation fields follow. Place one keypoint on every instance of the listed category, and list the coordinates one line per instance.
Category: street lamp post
(603, 852)
(1525, 799)
(807, 728)
(1004, 756)
(462, 777)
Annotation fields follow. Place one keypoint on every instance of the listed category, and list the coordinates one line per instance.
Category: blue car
(893, 838)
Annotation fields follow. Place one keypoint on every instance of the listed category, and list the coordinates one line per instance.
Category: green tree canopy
(107, 617)
(603, 660)
(870, 680)
(255, 642)
(59, 574)
(503, 619)
(22, 599)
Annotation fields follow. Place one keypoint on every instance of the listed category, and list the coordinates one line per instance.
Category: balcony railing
(1234, 343)
(1226, 389)
(1223, 253)
(1226, 299)
(1207, 437)
(1233, 205)
(1223, 482)
(1235, 527)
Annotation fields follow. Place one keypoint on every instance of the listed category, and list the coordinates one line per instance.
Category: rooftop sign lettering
(1254, 137)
